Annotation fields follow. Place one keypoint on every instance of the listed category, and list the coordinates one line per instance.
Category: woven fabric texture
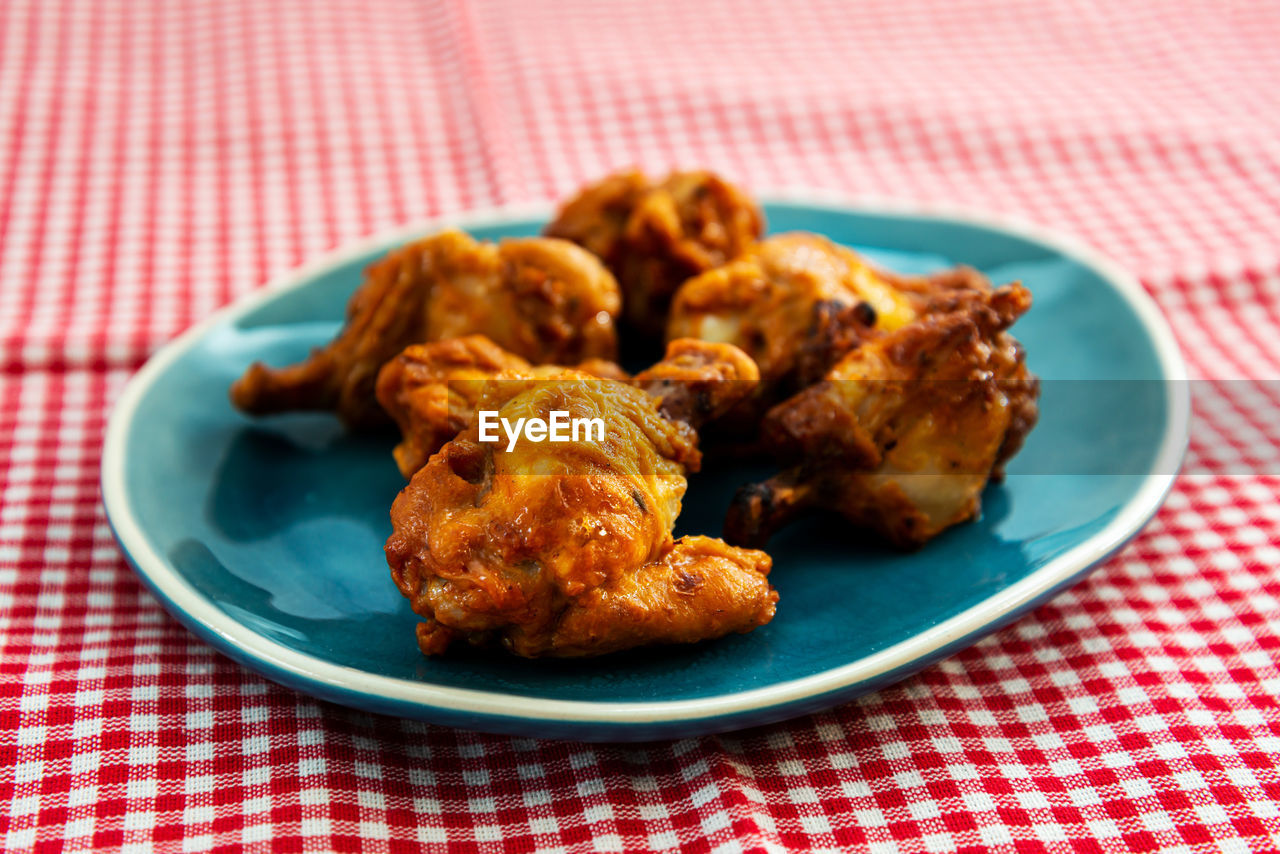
(160, 159)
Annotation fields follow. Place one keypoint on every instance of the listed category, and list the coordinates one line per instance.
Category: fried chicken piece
(544, 300)
(701, 588)
(796, 302)
(565, 549)
(654, 236)
(906, 430)
(699, 381)
(431, 390)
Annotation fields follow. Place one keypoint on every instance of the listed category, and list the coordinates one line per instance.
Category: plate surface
(265, 537)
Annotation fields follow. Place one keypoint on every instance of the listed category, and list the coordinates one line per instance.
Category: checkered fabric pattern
(160, 159)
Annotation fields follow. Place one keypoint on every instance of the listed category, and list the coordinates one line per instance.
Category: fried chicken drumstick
(655, 235)
(566, 549)
(905, 431)
(544, 300)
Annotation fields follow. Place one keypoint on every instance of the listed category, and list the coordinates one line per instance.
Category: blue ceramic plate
(265, 536)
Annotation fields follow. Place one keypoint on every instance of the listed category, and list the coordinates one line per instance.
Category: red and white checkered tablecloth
(159, 159)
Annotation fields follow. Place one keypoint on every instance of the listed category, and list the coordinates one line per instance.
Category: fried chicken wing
(654, 236)
(431, 390)
(545, 300)
(798, 300)
(796, 303)
(699, 381)
(906, 429)
(566, 549)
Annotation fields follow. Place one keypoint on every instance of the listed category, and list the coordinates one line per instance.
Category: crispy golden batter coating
(796, 303)
(565, 549)
(906, 429)
(699, 381)
(700, 588)
(654, 236)
(544, 300)
(779, 301)
(431, 390)
(596, 218)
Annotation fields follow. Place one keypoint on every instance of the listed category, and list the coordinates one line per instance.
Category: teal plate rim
(636, 721)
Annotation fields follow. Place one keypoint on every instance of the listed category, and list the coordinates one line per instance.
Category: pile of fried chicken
(890, 399)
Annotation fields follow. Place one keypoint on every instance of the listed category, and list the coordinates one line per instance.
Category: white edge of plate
(902, 655)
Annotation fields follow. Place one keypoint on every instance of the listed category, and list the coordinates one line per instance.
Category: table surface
(158, 160)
